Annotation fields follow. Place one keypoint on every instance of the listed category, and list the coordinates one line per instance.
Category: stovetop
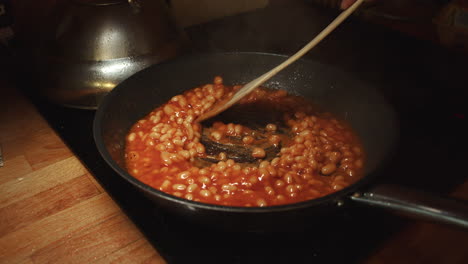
(423, 82)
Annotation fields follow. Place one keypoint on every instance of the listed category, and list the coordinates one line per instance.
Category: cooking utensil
(89, 46)
(249, 87)
(372, 118)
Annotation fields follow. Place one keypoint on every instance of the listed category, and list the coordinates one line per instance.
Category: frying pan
(372, 118)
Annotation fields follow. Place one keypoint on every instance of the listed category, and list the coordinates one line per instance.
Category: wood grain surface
(53, 211)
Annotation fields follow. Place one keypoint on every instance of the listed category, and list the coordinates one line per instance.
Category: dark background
(425, 82)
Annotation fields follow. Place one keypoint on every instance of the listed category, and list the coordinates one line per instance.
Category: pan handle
(415, 204)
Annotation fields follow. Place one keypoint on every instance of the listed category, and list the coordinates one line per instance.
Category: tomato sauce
(294, 153)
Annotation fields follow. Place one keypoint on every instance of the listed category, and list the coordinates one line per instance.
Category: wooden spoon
(249, 87)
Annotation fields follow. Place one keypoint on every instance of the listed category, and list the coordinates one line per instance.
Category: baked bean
(162, 150)
(248, 140)
(328, 169)
(337, 187)
(230, 162)
(168, 110)
(279, 183)
(269, 190)
(190, 181)
(339, 178)
(324, 140)
(288, 178)
(295, 129)
(179, 187)
(299, 159)
(131, 137)
(345, 165)
(350, 172)
(238, 129)
(323, 133)
(258, 153)
(272, 170)
(263, 173)
(253, 179)
(165, 184)
(230, 130)
(219, 93)
(334, 156)
(155, 119)
(213, 189)
(313, 164)
(275, 161)
(221, 166)
(205, 193)
(227, 187)
(192, 187)
(357, 150)
(358, 163)
(264, 164)
(218, 80)
(200, 148)
(183, 175)
(216, 135)
(166, 157)
(299, 139)
(271, 127)
(185, 154)
(204, 180)
(315, 182)
(261, 203)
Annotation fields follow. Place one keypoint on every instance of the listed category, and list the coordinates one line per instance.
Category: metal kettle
(92, 45)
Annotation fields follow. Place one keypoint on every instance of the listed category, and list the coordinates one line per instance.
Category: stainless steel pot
(89, 46)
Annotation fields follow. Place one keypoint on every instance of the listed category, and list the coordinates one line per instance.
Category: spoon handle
(249, 87)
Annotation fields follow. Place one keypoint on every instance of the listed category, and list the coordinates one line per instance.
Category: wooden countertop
(53, 211)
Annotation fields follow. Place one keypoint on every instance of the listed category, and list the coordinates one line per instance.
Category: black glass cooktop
(423, 82)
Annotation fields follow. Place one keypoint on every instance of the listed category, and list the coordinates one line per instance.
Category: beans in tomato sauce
(306, 155)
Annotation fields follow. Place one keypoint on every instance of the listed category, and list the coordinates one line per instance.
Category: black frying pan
(362, 106)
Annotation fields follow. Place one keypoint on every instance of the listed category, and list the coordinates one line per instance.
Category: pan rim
(333, 198)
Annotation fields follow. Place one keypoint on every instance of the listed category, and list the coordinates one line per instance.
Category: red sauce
(305, 155)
